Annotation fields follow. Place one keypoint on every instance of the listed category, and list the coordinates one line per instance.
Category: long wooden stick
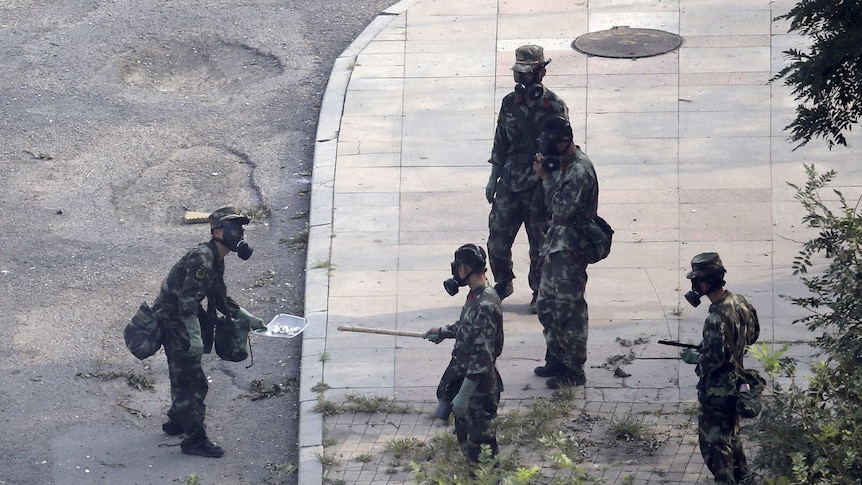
(381, 331)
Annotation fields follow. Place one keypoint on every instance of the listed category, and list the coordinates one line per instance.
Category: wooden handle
(381, 331)
(193, 217)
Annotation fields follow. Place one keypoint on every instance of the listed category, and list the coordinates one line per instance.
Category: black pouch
(595, 240)
(450, 384)
(143, 333)
(231, 339)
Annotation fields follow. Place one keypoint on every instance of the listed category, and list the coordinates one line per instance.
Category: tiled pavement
(690, 155)
(671, 457)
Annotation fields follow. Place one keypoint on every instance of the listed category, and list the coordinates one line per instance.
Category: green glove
(460, 404)
(254, 323)
(689, 356)
(491, 188)
(435, 335)
(196, 343)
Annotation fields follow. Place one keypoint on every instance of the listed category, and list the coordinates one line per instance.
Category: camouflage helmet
(557, 128)
(704, 265)
(471, 255)
(528, 58)
(226, 214)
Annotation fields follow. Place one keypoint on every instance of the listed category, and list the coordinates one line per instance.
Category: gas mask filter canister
(694, 295)
(693, 298)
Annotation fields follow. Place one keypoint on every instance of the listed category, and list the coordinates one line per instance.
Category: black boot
(533, 308)
(201, 447)
(552, 366)
(196, 441)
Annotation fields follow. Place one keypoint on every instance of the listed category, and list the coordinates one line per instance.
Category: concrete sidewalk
(690, 155)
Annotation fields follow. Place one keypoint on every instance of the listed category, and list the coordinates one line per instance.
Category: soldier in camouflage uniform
(471, 382)
(513, 188)
(729, 328)
(572, 194)
(198, 275)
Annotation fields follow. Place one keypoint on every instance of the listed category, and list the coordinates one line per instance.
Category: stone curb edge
(319, 244)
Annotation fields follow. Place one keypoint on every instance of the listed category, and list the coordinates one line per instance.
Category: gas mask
(527, 86)
(693, 296)
(452, 284)
(550, 151)
(232, 238)
(706, 275)
(471, 255)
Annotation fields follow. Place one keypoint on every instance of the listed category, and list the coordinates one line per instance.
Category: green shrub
(811, 434)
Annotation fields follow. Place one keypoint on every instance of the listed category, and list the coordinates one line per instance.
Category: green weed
(400, 447)
(364, 458)
(627, 428)
(327, 460)
(320, 387)
(326, 407)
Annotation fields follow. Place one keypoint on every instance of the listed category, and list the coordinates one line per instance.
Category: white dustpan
(284, 326)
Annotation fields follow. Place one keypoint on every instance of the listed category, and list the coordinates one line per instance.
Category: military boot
(202, 447)
(552, 366)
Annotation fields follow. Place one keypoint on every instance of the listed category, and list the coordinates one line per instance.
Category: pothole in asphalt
(196, 65)
(627, 43)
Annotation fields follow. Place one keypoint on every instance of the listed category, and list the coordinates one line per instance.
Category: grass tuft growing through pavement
(627, 428)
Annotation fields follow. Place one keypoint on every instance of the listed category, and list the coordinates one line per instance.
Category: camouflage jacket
(518, 127)
(729, 328)
(198, 275)
(478, 338)
(572, 196)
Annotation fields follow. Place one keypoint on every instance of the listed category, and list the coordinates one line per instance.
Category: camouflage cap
(528, 57)
(705, 264)
(226, 214)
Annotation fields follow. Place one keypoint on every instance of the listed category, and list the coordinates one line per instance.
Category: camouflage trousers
(562, 309)
(478, 428)
(718, 437)
(189, 385)
(509, 211)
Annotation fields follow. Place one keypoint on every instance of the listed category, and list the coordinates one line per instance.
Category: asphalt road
(114, 117)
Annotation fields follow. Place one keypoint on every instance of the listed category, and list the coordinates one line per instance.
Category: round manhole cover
(623, 42)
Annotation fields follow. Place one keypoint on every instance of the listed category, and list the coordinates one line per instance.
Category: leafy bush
(811, 435)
